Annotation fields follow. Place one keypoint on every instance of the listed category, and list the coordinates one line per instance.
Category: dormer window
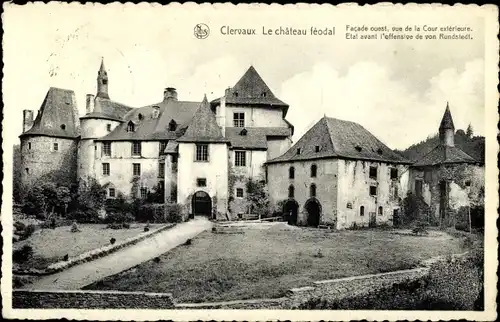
(130, 127)
(379, 151)
(263, 94)
(243, 132)
(140, 117)
(235, 94)
(316, 148)
(298, 151)
(63, 127)
(172, 126)
(358, 148)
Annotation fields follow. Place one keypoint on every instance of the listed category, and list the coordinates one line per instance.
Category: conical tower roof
(447, 121)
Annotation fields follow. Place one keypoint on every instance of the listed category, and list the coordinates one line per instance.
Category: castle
(201, 155)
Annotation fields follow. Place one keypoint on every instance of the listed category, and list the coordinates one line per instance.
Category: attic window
(172, 126)
(140, 116)
(316, 148)
(130, 127)
(63, 126)
(263, 94)
(379, 151)
(235, 94)
(298, 151)
(358, 148)
(243, 132)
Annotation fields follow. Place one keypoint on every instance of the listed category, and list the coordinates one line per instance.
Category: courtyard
(266, 260)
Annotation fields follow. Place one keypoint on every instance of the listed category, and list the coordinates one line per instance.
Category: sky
(397, 89)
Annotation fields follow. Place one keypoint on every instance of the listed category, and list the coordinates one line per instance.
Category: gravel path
(84, 274)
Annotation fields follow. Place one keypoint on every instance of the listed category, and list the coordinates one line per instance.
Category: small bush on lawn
(23, 254)
(74, 227)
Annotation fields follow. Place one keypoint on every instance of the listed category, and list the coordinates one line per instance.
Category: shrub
(57, 223)
(27, 232)
(151, 213)
(146, 228)
(19, 226)
(74, 227)
(112, 240)
(119, 217)
(84, 216)
(173, 213)
(126, 225)
(23, 254)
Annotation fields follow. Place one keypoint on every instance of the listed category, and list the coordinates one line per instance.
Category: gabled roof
(252, 90)
(58, 115)
(447, 120)
(255, 138)
(340, 139)
(443, 154)
(203, 126)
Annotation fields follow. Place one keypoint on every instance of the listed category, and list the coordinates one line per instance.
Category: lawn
(51, 245)
(265, 263)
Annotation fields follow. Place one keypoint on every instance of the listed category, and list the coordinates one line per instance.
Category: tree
(91, 195)
(470, 131)
(64, 197)
(258, 197)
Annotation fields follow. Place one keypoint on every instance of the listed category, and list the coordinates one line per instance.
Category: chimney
(89, 103)
(27, 120)
(222, 115)
(170, 93)
(226, 93)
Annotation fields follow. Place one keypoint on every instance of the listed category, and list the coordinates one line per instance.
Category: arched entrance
(201, 204)
(290, 210)
(313, 208)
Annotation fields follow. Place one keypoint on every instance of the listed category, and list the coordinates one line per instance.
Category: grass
(266, 263)
(51, 245)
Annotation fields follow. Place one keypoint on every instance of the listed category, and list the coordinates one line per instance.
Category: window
(201, 182)
(243, 132)
(108, 127)
(239, 119)
(56, 146)
(136, 169)
(27, 170)
(291, 191)
(63, 127)
(163, 145)
(201, 152)
(173, 194)
(239, 192)
(263, 94)
(111, 192)
(161, 169)
(380, 211)
(130, 127)
(358, 148)
(140, 117)
(29, 145)
(396, 192)
(373, 191)
(373, 172)
(428, 175)
(240, 158)
(298, 151)
(314, 170)
(106, 148)
(144, 192)
(105, 81)
(291, 173)
(394, 174)
(418, 188)
(235, 94)
(316, 148)
(312, 190)
(362, 210)
(105, 169)
(172, 126)
(136, 148)
(468, 183)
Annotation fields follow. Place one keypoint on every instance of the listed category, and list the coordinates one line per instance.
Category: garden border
(90, 255)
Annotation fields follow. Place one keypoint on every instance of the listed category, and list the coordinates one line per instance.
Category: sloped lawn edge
(90, 255)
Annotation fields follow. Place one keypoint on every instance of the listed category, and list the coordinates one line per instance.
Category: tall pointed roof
(58, 115)
(203, 126)
(102, 68)
(340, 139)
(252, 90)
(447, 121)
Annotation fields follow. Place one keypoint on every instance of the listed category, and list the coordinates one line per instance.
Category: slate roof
(255, 138)
(108, 109)
(443, 154)
(58, 109)
(252, 90)
(203, 126)
(147, 127)
(447, 121)
(340, 139)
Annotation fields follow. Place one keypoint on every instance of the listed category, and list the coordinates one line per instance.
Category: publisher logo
(201, 31)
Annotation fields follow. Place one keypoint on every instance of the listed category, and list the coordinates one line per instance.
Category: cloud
(374, 96)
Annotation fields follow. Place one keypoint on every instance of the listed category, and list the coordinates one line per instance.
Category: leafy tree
(64, 197)
(258, 196)
(91, 195)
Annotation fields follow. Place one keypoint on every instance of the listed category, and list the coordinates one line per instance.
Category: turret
(27, 120)
(447, 129)
(102, 82)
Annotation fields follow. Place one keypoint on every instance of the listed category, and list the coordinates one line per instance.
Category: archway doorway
(313, 208)
(202, 204)
(290, 211)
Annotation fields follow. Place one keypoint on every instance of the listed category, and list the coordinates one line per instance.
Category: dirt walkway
(81, 275)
